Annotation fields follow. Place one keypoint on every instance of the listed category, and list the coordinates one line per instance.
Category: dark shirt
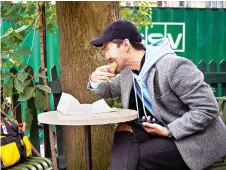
(132, 100)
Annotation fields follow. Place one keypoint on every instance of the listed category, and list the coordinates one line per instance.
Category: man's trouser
(139, 150)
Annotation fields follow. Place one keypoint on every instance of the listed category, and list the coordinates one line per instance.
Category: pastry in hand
(113, 67)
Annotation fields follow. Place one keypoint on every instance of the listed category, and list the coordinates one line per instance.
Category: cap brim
(98, 42)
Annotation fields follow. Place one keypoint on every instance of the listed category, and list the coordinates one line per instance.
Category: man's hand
(101, 74)
(154, 128)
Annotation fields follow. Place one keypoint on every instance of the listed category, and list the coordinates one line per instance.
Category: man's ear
(126, 44)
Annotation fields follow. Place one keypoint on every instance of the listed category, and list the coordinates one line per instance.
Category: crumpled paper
(70, 105)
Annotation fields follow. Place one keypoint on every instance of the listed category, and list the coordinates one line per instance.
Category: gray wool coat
(184, 102)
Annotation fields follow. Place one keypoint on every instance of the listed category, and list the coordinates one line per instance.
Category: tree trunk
(79, 22)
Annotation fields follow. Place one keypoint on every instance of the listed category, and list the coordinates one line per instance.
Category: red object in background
(22, 126)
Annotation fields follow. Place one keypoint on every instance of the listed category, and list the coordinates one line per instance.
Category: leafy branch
(141, 15)
(17, 80)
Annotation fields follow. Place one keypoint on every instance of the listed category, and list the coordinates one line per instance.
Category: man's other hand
(154, 128)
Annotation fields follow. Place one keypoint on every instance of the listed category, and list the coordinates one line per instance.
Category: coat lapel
(126, 85)
(150, 84)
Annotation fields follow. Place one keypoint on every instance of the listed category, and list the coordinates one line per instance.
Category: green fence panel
(197, 34)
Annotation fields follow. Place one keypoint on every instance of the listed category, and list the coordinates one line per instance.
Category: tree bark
(79, 22)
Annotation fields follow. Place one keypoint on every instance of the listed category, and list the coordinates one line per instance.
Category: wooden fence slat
(216, 78)
(54, 73)
(223, 66)
(223, 69)
(213, 68)
(47, 152)
(202, 66)
(55, 86)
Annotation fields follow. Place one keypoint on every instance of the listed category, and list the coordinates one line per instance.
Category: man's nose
(107, 55)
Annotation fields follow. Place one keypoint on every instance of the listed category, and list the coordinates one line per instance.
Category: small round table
(87, 119)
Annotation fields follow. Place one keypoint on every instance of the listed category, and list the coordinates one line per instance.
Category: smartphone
(140, 121)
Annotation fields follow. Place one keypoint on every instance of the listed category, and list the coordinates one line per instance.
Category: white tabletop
(58, 118)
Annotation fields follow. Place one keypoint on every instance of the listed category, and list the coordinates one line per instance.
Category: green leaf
(22, 66)
(29, 119)
(213, 89)
(24, 51)
(4, 75)
(28, 93)
(15, 58)
(4, 45)
(26, 83)
(9, 64)
(3, 105)
(40, 75)
(141, 16)
(44, 88)
(22, 76)
(117, 103)
(17, 35)
(9, 31)
(7, 88)
(18, 85)
(50, 28)
(40, 101)
(11, 44)
(21, 28)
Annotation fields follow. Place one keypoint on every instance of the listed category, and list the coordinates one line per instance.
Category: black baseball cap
(119, 29)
